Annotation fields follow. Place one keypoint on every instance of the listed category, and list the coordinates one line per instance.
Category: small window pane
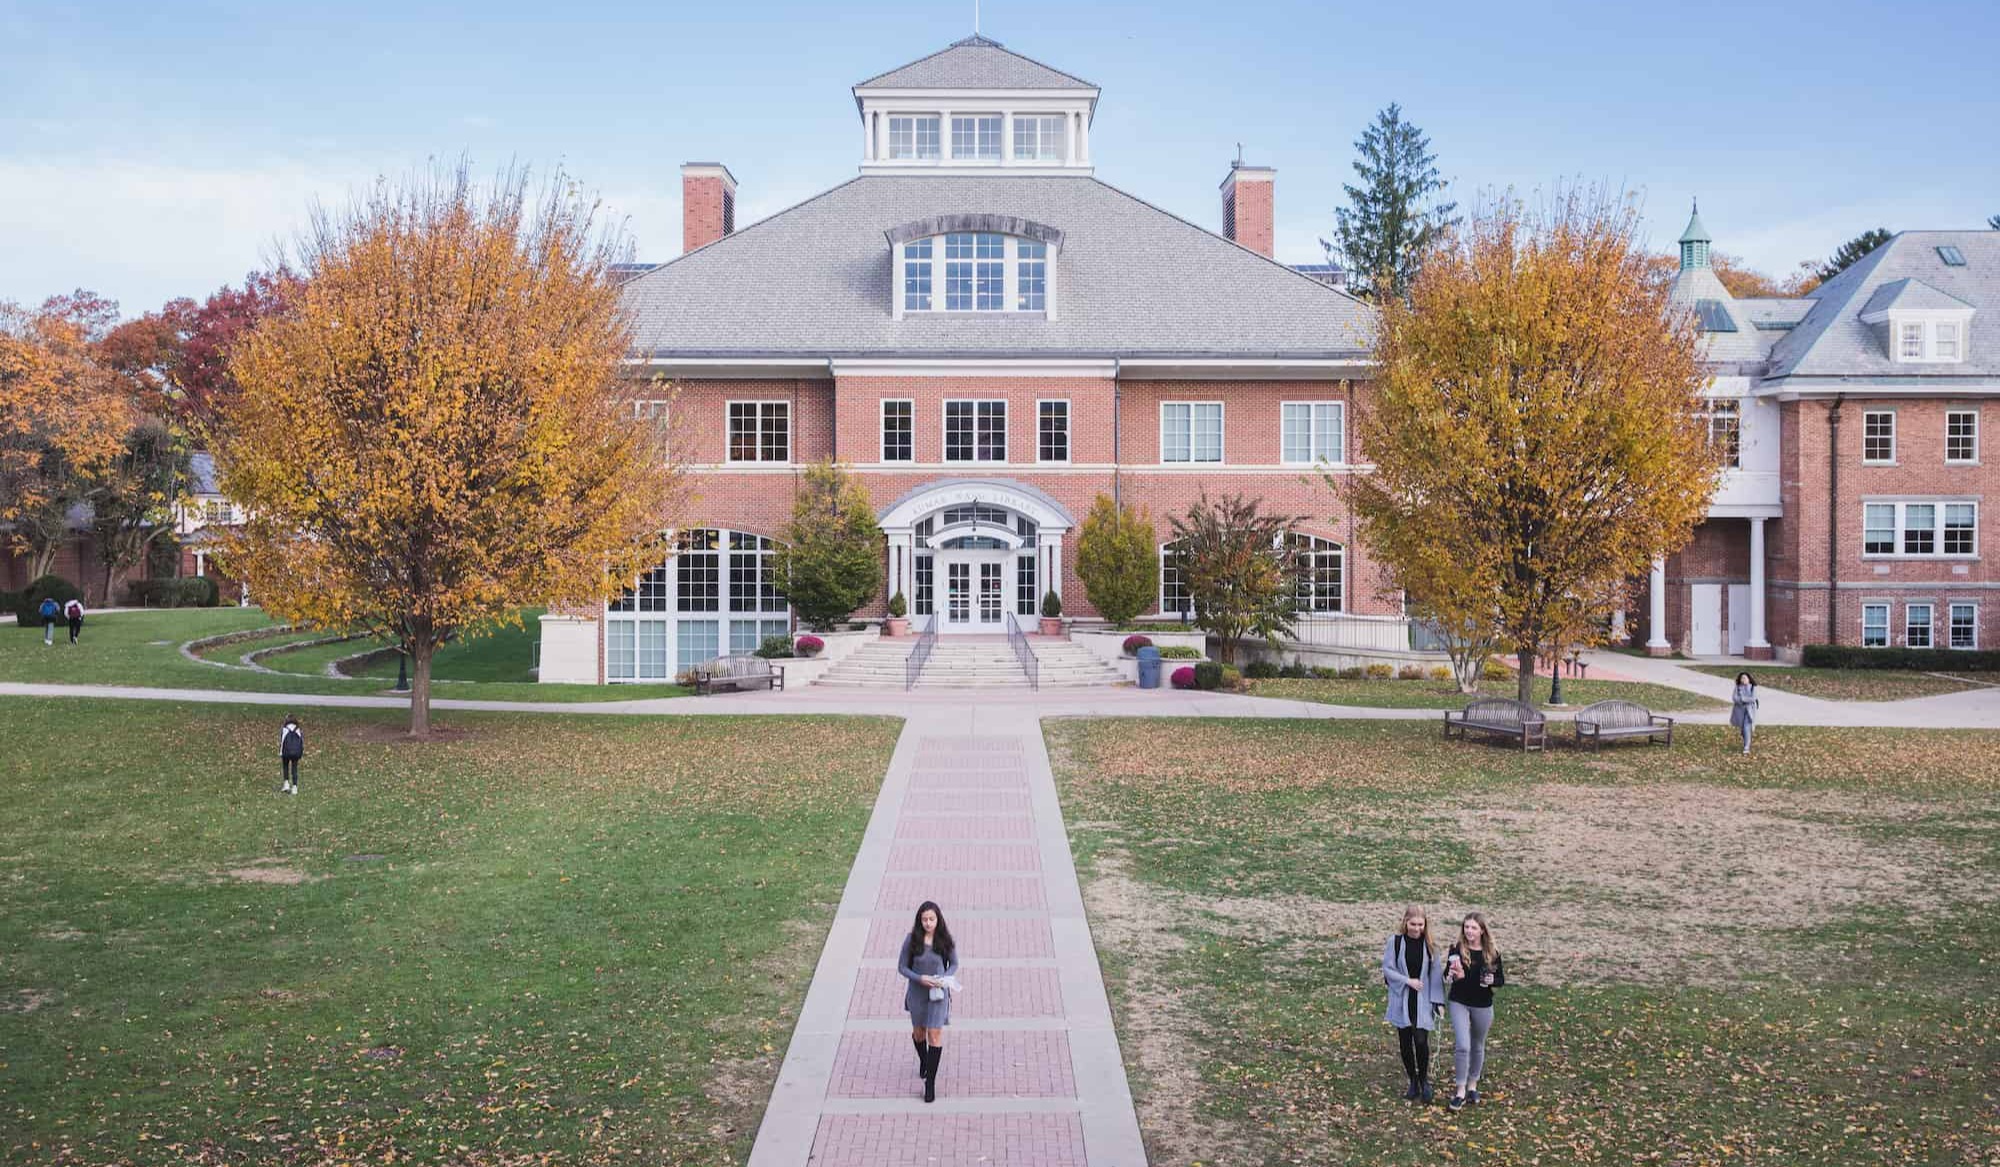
(1961, 528)
(1297, 435)
(1208, 432)
(992, 434)
(1725, 431)
(1878, 536)
(1917, 628)
(1053, 429)
(1330, 432)
(699, 643)
(976, 137)
(920, 604)
(898, 431)
(1961, 436)
(917, 276)
(1026, 602)
(1913, 341)
(621, 655)
(1039, 138)
(1031, 276)
(1878, 437)
(653, 650)
(653, 590)
(1175, 429)
(1964, 626)
(1174, 597)
(1947, 340)
(958, 418)
(1874, 625)
(1919, 529)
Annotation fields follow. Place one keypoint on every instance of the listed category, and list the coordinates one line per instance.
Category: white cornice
(930, 367)
(1244, 369)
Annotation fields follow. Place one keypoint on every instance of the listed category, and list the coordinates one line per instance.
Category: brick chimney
(1247, 207)
(708, 204)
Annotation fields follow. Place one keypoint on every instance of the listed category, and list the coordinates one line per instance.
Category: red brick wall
(1255, 215)
(701, 210)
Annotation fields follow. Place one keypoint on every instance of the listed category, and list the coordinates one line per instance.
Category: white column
(1083, 140)
(1756, 639)
(902, 566)
(1052, 555)
(1656, 589)
(867, 137)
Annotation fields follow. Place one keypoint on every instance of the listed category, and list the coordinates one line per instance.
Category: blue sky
(151, 150)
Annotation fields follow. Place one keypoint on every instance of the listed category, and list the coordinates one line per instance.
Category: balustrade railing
(1031, 665)
(920, 653)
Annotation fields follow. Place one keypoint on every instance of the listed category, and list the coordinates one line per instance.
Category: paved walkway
(1031, 1074)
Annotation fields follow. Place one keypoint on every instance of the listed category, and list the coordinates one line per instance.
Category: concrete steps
(973, 665)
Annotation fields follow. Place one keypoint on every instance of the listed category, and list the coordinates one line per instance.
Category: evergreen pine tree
(1390, 220)
(1852, 252)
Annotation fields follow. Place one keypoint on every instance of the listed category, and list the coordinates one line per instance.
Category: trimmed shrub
(1180, 652)
(1208, 675)
(1232, 678)
(1440, 673)
(808, 645)
(1051, 606)
(898, 607)
(1495, 671)
(1410, 673)
(194, 591)
(1261, 670)
(1353, 673)
(1378, 672)
(1324, 673)
(1133, 644)
(1848, 656)
(1295, 671)
(54, 587)
(775, 648)
(1183, 677)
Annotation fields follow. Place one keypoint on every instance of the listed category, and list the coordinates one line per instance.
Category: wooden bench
(738, 672)
(1503, 716)
(1619, 719)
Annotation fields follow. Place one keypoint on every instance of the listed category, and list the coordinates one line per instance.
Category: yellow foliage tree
(435, 432)
(1536, 436)
(63, 420)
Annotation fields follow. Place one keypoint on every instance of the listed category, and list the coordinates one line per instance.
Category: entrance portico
(970, 550)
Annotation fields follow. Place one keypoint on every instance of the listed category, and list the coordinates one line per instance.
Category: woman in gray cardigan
(1416, 992)
(1743, 707)
(929, 958)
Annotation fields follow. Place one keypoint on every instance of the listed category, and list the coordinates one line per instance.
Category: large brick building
(991, 337)
(1852, 511)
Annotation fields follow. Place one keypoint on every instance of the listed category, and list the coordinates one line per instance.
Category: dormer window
(1944, 340)
(1912, 333)
(1932, 341)
(1924, 324)
(975, 263)
(915, 136)
(976, 136)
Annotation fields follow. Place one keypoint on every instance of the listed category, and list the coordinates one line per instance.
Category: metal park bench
(1619, 719)
(738, 672)
(1502, 716)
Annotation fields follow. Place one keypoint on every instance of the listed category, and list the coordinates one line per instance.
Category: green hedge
(26, 603)
(194, 591)
(1208, 675)
(1848, 656)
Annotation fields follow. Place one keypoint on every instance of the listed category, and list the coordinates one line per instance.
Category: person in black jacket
(1472, 970)
(291, 747)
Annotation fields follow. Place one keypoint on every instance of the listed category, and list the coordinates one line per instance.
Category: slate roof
(976, 62)
(1909, 294)
(1694, 285)
(1833, 342)
(1131, 280)
(201, 474)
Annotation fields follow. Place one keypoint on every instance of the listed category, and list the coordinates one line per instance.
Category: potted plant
(1051, 614)
(808, 645)
(898, 623)
(1136, 642)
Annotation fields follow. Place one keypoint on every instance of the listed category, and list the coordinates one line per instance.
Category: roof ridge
(976, 41)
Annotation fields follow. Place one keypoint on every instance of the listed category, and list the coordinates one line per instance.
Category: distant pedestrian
(1415, 977)
(1743, 707)
(48, 611)
(1473, 970)
(930, 964)
(291, 747)
(73, 612)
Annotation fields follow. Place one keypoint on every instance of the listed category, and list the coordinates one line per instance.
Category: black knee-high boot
(923, 1054)
(1423, 1053)
(931, 1072)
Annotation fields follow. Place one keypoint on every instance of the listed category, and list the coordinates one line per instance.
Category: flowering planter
(1051, 626)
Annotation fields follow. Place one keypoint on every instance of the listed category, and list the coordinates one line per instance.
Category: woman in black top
(1472, 968)
(1411, 969)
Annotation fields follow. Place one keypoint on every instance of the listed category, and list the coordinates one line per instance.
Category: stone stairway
(967, 664)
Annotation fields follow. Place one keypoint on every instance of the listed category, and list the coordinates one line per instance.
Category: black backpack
(292, 742)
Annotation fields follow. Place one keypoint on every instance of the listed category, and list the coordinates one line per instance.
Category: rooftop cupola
(975, 105)
(1695, 241)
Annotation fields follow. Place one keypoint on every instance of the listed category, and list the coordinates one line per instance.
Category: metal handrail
(920, 655)
(1018, 641)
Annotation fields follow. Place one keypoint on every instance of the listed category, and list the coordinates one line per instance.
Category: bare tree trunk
(420, 688)
(1525, 681)
(40, 559)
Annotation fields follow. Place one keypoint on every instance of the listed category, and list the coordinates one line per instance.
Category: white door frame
(1704, 619)
(1738, 596)
(975, 563)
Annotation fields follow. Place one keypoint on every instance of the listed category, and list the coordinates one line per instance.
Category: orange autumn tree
(63, 421)
(1536, 436)
(434, 431)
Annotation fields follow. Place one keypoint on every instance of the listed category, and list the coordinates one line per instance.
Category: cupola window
(1039, 139)
(915, 136)
(976, 136)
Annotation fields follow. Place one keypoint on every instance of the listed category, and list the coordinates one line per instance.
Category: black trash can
(1149, 667)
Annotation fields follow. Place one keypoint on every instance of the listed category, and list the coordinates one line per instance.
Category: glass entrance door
(989, 593)
(975, 590)
(958, 593)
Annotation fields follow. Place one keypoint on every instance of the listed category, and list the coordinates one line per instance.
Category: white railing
(1376, 633)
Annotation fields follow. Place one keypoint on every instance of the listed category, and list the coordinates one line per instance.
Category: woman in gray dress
(1743, 707)
(929, 956)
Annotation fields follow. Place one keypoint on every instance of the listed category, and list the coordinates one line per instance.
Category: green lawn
(1782, 958)
(579, 937)
(1848, 684)
(1392, 694)
(506, 655)
(143, 648)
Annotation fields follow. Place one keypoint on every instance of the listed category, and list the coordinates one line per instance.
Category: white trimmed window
(976, 136)
(717, 583)
(1910, 340)
(1320, 563)
(1031, 275)
(917, 275)
(1313, 431)
(1944, 340)
(760, 431)
(1174, 595)
(1919, 530)
(914, 136)
(1039, 138)
(1052, 431)
(1878, 437)
(1961, 436)
(1725, 430)
(1917, 625)
(1874, 625)
(975, 431)
(1932, 340)
(1191, 431)
(899, 431)
(975, 272)
(1964, 631)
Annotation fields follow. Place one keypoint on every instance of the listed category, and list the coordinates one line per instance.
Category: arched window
(974, 263)
(1175, 598)
(1321, 577)
(717, 594)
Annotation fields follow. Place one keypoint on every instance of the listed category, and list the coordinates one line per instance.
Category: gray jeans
(1748, 725)
(1468, 1050)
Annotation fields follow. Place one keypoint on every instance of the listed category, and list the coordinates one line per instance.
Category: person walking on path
(48, 611)
(1473, 971)
(73, 613)
(1743, 707)
(291, 747)
(930, 964)
(1415, 977)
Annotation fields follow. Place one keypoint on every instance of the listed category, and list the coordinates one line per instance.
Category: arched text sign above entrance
(1044, 511)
